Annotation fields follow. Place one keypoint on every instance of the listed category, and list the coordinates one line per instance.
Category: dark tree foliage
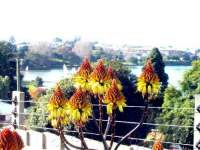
(7, 64)
(159, 68)
(8, 55)
(39, 81)
(191, 83)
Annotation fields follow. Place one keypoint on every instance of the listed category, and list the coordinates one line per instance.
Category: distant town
(59, 52)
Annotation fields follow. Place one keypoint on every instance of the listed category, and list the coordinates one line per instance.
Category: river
(50, 77)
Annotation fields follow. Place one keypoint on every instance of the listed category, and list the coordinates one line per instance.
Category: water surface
(50, 77)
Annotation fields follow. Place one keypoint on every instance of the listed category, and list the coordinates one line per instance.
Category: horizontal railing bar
(91, 133)
(128, 106)
(125, 122)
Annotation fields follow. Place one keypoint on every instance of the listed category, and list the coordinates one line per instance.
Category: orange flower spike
(111, 75)
(98, 79)
(100, 72)
(81, 78)
(58, 97)
(85, 69)
(148, 71)
(78, 99)
(8, 140)
(148, 82)
(157, 146)
(57, 108)
(79, 108)
(19, 140)
(114, 98)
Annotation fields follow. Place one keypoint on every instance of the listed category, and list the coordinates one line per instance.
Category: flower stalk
(100, 114)
(103, 83)
(148, 85)
(113, 116)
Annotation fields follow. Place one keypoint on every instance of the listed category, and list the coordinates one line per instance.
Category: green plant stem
(134, 129)
(66, 142)
(100, 114)
(63, 141)
(107, 127)
(113, 129)
(102, 137)
(81, 136)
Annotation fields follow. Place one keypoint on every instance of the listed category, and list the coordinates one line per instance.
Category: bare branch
(107, 127)
(113, 129)
(81, 136)
(134, 129)
(103, 139)
(100, 114)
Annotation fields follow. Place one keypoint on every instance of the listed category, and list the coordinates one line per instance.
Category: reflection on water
(50, 77)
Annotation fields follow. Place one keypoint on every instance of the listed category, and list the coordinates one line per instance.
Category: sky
(135, 22)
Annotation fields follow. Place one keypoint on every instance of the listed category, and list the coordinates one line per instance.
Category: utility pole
(18, 73)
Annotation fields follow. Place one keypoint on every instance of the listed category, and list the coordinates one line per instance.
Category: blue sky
(136, 22)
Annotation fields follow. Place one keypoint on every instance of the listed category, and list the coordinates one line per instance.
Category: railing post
(196, 136)
(27, 138)
(61, 145)
(18, 103)
(44, 142)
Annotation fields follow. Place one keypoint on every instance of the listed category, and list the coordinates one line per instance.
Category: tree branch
(134, 129)
(82, 138)
(100, 114)
(63, 141)
(107, 127)
(103, 139)
(113, 129)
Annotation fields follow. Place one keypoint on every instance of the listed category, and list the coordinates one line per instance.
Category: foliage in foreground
(38, 111)
(191, 81)
(183, 98)
(172, 114)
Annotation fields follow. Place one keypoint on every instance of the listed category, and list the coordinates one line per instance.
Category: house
(5, 112)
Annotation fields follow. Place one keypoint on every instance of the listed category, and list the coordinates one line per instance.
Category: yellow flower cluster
(148, 82)
(81, 78)
(98, 79)
(114, 98)
(79, 107)
(57, 108)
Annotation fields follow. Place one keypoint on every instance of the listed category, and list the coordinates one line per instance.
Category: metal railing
(26, 114)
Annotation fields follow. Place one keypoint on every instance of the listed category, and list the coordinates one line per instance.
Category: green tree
(172, 114)
(178, 99)
(38, 81)
(4, 87)
(99, 53)
(133, 60)
(159, 67)
(191, 82)
(7, 64)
